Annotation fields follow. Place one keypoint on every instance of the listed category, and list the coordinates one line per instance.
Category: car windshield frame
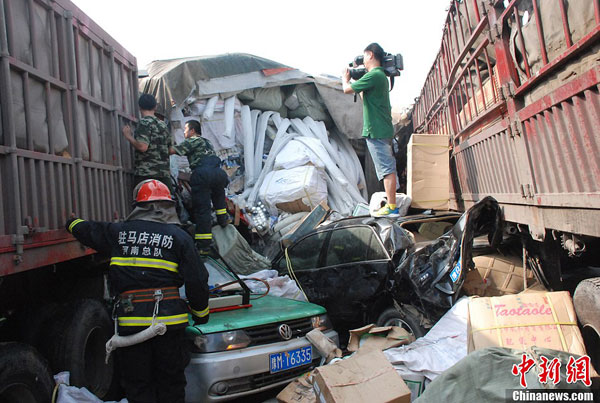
(321, 260)
(220, 269)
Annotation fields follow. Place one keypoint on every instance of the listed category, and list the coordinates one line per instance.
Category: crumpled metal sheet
(437, 272)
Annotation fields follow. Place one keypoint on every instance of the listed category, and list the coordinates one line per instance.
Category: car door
(357, 264)
(301, 261)
(342, 269)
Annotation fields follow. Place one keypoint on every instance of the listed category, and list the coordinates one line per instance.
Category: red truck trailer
(516, 87)
(66, 87)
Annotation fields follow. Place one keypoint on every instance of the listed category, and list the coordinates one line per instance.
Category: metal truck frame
(516, 87)
(519, 99)
(66, 88)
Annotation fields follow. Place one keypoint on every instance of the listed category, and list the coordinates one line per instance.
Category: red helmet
(152, 190)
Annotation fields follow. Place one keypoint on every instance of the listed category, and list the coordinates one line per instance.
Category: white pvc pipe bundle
(248, 146)
(229, 109)
(259, 145)
(345, 145)
(281, 140)
(210, 107)
(343, 171)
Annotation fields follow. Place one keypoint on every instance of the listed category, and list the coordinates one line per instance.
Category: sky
(317, 37)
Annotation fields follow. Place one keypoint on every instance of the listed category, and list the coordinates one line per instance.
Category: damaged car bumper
(226, 375)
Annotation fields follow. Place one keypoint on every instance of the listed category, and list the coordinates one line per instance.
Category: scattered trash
(279, 286)
(327, 348)
(64, 393)
(443, 346)
(300, 390)
(371, 337)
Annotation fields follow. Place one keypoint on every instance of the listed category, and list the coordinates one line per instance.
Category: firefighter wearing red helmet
(151, 257)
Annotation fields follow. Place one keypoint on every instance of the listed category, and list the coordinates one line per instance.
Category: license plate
(290, 359)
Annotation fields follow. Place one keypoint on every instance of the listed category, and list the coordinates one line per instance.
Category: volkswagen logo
(285, 332)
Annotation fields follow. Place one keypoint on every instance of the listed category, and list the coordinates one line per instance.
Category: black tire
(408, 318)
(77, 344)
(24, 375)
(586, 300)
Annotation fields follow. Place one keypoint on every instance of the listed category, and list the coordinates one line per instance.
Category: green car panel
(264, 310)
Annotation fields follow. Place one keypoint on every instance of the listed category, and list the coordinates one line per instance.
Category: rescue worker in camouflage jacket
(151, 257)
(151, 143)
(208, 183)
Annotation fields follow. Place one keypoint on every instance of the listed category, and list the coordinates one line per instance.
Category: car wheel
(407, 318)
(78, 342)
(24, 375)
(586, 300)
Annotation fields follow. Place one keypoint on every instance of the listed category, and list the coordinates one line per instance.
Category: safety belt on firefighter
(155, 329)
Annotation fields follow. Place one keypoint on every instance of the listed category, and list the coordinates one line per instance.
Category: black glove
(199, 321)
(223, 220)
(69, 222)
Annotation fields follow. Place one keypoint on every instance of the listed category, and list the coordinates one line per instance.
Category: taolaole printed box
(543, 319)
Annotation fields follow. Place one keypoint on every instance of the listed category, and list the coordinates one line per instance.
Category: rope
(288, 263)
(55, 392)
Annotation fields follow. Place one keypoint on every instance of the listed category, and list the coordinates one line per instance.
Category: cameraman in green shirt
(378, 129)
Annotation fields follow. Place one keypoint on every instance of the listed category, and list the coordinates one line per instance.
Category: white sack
(438, 350)
(73, 394)
(278, 286)
(296, 153)
(305, 182)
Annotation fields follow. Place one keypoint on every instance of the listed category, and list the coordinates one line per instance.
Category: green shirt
(155, 161)
(377, 111)
(195, 149)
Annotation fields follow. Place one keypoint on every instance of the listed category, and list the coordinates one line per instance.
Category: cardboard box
(543, 319)
(367, 377)
(428, 171)
(307, 224)
(295, 206)
(497, 275)
(300, 390)
(371, 337)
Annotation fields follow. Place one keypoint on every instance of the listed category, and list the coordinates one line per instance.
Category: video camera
(392, 65)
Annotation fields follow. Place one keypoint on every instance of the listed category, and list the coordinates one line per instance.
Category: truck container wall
(66, 88)
(516, 86)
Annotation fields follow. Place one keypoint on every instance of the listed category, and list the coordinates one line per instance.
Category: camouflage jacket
(155, 161)
(195, 149)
